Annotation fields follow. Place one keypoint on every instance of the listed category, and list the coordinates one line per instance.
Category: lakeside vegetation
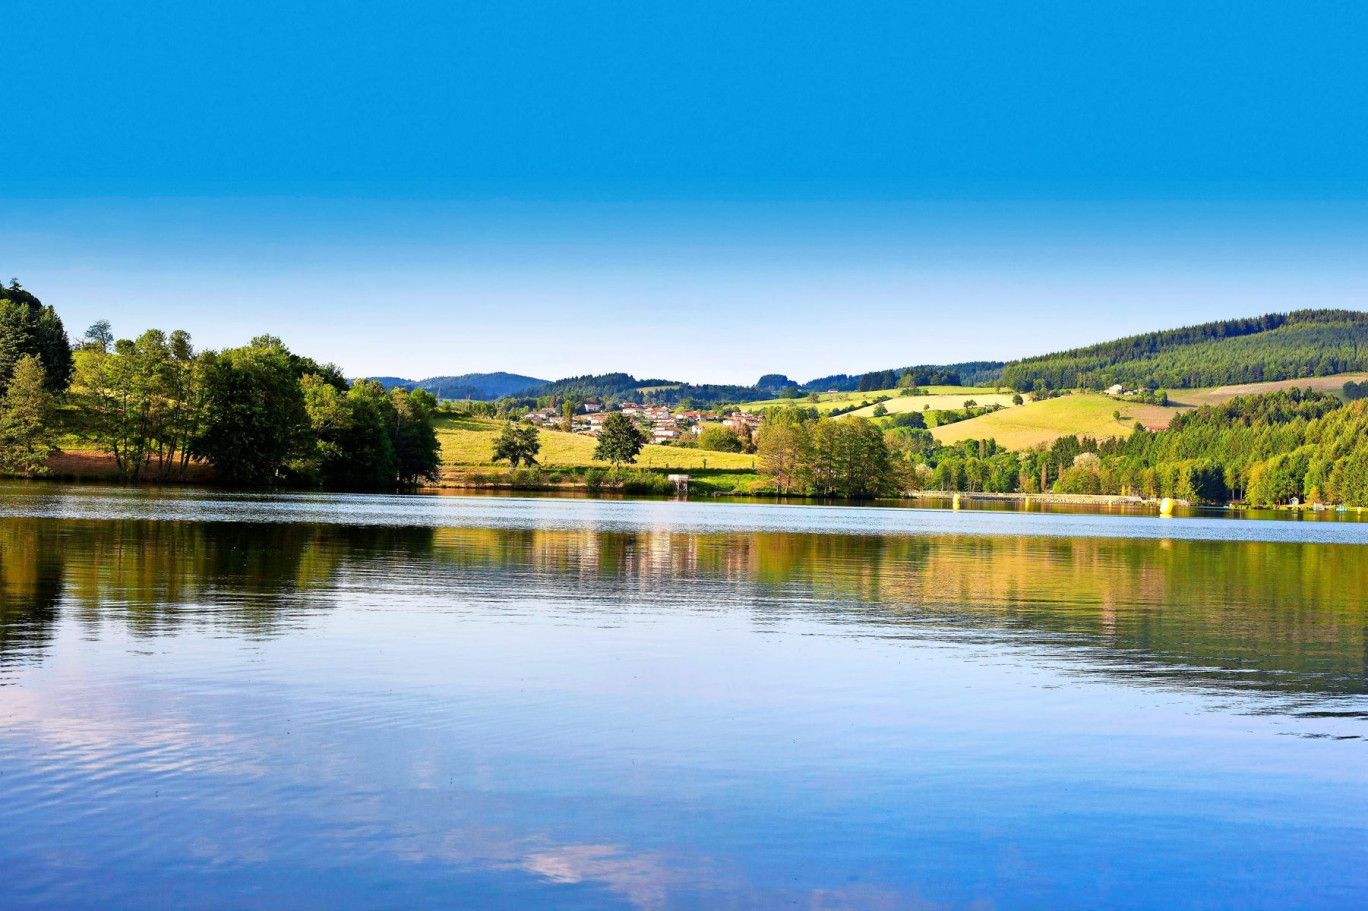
(258, 415)
(261, 415)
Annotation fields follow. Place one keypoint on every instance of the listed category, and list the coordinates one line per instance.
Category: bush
(912, 419)
(719, 439)
(595, 478)
(1079, 480)
(646, 482)
(527, 479)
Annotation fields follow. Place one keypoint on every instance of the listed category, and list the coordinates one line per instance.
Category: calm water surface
(329, 701)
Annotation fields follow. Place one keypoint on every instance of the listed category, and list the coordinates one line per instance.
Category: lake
(321, 701)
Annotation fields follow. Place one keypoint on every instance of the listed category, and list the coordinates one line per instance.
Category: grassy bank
(648, 481)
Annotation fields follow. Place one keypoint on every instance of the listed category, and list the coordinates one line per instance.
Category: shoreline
(82, 466)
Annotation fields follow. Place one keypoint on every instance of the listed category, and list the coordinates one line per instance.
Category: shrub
(646, 482)
(719, 439)
(527, 479)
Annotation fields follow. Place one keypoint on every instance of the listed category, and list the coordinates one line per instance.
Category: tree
(619, 441)
(1017, 399)
(27, 327)
(27, 435)
(351, 445)
(100, 335)
(911, 419)
(416, 447)
(140, 401)
(255, 421)
(880, 410)
(720, 439)
(186, 396)
(517, 444)
(783, 446)
(850, 458)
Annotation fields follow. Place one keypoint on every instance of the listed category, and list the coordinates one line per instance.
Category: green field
(1083, 413)
(468, 441)
(1090, 414)
(827, 401)
(948, 402)
(1195, 397)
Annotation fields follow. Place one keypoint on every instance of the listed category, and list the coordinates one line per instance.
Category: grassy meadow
(829, 401)
(938, 402)
(1085, 414)
(1197, 397)
(1090, 414)
(468, 441)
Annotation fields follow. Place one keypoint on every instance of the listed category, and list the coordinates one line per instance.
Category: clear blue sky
(558, 188)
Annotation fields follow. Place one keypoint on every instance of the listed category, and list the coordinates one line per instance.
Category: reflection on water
(644, 708)
(1272, 615)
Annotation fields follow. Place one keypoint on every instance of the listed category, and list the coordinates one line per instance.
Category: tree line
(259, 415)
(968, 373)
(1265, 449)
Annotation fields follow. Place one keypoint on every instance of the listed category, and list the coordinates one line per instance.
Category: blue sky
(703, 191)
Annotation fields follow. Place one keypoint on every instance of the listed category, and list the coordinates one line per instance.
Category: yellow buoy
(955, 504)
(1166, 507)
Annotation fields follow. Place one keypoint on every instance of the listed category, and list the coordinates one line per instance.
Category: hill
(1085, 414)
(1091, 414)
(624, 386)
(1278, 346)
(621, 387)
(479, 386)
(967, 373)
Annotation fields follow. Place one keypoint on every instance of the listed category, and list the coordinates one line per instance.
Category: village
(660, 425)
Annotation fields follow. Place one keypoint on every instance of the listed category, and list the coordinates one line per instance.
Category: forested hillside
(1278, 346)
(479, 386)
(967, 373)
(609, 386)
(1270, 449)
(621, 387)
(1263, 448)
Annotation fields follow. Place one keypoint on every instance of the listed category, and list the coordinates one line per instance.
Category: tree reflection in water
(1284, 617)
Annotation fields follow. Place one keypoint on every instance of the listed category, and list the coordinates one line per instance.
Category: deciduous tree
(619, 440)
(517, 444)
(255, 421)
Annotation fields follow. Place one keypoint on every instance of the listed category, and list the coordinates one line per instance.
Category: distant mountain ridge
(1277, 346)
(479, 386)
